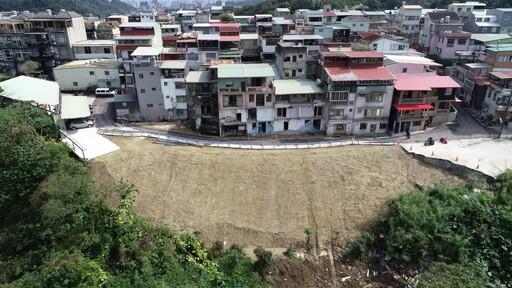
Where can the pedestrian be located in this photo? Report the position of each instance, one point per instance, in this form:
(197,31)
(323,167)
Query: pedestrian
(407,134)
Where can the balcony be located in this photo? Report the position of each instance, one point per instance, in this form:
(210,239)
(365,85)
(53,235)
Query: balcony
(208,48)
(419,117)
(294,65)
(259,89)
(411,101)
(341,103)
(369,89)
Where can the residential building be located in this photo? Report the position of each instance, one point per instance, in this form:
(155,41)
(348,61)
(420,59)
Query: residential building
(482,23)
(291,60)
(134,35)
(246,104)
(503,17)
(269,35)
(359,90)
(202,100)
(147,17)
(498,99)
(82,75)
(479,42)
(95,49)
(465,10)
(386,45)
(250,47)
(406,65)
(446,44)
(160,86)
(186,18)
(42,37)
(281,12)
(120,19)
(312,42)
(287,24)
(408,20)
(356,23)
(421,98)
(435,22)
(127,107)
(300,106)
(377,19)
(474,80)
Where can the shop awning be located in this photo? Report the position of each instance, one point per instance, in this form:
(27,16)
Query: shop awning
(406,107)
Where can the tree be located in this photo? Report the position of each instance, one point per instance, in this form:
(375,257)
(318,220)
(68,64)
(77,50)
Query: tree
(30,68)
(226,17)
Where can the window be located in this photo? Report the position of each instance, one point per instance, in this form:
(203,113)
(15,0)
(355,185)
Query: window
(374,98)
(181,99)
(505,58)
(383,125)
(107,73)
(506,17)
(269,98)
(363,126)
(373,112)
(450,42)
(416,123)
(404,70)
(339,96)
(142,91)
(300,56)
(260,99)
(459,9)
(180,85)
(361,25)
(251,98)
(166,83)
(461,42)
(300,70)
(153,89)
(468,9)
(87,50)
(141,76)
(91,73)
(151,73)
(484,30)
(318,111)
(229,83)
(75,84)
(106,50)
(487,19)
(281,112)
(354,25)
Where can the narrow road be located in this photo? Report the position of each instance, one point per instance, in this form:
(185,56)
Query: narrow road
(104,112)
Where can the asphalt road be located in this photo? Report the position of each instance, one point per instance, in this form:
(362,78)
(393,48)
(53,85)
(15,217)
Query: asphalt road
(104,112)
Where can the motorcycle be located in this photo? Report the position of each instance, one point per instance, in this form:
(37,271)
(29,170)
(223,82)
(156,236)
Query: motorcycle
(443,140)
(430,141)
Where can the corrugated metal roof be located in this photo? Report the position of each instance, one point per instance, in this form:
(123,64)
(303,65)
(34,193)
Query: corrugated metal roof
(347,74)
(198,77)
(410,60)
(424,83)
(245,70)
(147,51)
(75,107)
(173,64)
(28,89)
(490,37)
(252,36)
(502,74)
(296,86)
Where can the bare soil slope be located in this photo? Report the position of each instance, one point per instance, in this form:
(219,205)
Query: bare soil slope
(264,197)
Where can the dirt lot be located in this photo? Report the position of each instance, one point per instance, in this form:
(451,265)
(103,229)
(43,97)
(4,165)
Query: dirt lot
(264,197)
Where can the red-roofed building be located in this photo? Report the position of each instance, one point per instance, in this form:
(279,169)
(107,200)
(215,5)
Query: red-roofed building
(360,92)
(420,100)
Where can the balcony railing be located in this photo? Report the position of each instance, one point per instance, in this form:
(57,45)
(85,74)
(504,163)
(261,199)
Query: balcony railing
(411,101)
(341,103)
(412,117)
(259,89)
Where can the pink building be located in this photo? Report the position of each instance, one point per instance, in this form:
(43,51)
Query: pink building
(444,44)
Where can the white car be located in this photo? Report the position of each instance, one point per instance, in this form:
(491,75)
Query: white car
(80,123)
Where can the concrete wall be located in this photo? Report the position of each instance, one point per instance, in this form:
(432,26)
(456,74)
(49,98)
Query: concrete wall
(67,77)
(151,102)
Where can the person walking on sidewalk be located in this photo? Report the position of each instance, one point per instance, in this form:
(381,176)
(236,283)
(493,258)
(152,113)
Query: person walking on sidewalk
(407,134)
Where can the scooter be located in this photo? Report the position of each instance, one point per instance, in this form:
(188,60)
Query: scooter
(430,141)
(443,140)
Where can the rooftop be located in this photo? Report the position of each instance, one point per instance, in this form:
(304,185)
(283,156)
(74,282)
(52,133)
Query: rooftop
(139,24)
(28,89)
(75,107)
(296,86)
(95,43)
(501,49)
(490,37)
(502,74)
(91,63)
(411,7)
(437,16)
(346,74)
(173,64)
(424,82)
(198,77)
(245,70)
(292,37)
(147,51)
(391,59)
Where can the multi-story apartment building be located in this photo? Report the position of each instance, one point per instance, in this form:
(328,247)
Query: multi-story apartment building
(202,100)
(300,106)
(498,99)
(246,103)
(291,60)
(421,98)
(445,44)
(250,48)
(377,19)
(465,10)
(436,22)
(281,12)
(503,17)
(269,36)
(408,20)
(359,90)
(186,18)
(160,86)
(356,23)
(95,49)
(479,22)
(42,37)
(132,36)
(312,42)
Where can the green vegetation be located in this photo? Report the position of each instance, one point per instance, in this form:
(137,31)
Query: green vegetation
(56,229)
(226,17)
(30,68)
(457,230)
(96,7)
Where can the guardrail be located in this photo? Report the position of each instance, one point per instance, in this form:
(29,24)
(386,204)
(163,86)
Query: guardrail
(254,145)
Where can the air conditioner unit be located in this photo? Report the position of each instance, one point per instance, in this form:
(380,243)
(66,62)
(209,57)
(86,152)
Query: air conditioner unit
(345,116)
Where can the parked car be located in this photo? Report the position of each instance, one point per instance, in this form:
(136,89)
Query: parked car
(80,123)
(105,92)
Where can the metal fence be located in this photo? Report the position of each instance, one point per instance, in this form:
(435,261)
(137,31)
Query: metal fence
(166,138)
